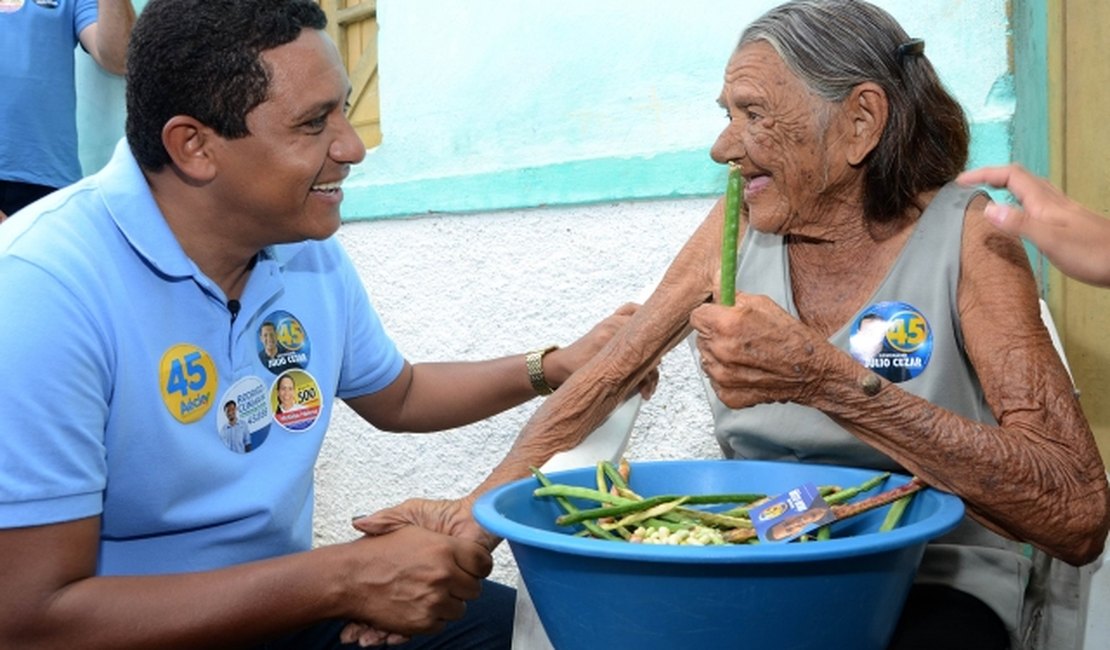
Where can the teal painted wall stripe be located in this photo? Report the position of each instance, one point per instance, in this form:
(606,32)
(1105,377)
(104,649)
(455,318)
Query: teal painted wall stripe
(689,173)
(665,175)
(1030,123)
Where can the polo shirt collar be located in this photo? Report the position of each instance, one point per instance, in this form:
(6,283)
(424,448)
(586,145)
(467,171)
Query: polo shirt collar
(137,215)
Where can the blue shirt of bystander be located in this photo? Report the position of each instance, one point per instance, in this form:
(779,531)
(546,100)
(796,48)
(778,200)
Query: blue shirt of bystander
(38,137)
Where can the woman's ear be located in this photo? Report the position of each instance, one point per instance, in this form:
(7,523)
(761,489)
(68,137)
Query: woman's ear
(188,142)
(867,109)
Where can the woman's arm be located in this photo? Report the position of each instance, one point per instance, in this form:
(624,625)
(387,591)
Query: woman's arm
(597,388)
(1037,476)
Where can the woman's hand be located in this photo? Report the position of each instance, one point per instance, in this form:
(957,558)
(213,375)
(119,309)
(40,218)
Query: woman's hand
(756,353)
(447,516)
(1072,236)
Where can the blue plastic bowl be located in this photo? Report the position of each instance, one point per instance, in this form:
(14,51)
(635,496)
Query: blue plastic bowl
(843,593)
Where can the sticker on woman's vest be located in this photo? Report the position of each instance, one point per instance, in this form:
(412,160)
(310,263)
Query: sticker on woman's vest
(282,343)
(893,339)
(188,381)
(296,400)
(244,418)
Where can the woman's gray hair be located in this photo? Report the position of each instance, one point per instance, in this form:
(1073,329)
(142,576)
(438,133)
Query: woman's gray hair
(833,46)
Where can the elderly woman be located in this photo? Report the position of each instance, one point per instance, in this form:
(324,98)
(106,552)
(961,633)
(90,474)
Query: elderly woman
(849,144)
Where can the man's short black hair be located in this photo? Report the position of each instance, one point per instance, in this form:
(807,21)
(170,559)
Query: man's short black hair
(202,58)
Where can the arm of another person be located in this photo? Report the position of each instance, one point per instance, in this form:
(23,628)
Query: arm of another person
(106,39)
(591,393)
(1074,238)
(1037,476)
(409,581)
(429,397)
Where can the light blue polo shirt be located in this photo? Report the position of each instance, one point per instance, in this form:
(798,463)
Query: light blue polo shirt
(38,140)
(122,356)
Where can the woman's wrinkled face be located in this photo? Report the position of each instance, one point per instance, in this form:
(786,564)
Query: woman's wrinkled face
(777,132)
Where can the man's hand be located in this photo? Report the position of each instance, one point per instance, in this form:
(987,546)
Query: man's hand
(446,517)
(560,364)
(417,581)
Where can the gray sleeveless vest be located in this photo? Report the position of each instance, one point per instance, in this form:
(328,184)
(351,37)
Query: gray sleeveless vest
(923,351)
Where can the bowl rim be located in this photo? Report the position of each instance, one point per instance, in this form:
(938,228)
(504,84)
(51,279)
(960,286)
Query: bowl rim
(949,512)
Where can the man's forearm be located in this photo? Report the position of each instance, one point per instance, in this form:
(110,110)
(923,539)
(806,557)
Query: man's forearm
(230,607)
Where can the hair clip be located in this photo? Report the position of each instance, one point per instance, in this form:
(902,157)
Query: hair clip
(912,47)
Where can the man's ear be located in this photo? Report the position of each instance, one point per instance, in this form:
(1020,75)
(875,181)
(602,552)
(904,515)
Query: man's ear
(868,110)
(188,143)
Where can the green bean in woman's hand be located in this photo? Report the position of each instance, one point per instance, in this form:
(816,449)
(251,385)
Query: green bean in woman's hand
(733,190)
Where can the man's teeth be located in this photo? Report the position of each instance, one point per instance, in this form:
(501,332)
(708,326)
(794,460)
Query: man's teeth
(326,187)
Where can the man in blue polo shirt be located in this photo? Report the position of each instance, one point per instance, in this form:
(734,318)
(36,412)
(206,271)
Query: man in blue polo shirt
(139,300)
(38,134)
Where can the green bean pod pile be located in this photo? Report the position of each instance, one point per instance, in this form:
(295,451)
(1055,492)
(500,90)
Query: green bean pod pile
(676,519)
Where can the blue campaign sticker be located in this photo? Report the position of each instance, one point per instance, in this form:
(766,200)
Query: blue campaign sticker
(282,342)
(892,339)
(792,514)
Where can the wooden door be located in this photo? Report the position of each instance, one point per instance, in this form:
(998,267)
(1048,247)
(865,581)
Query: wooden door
(353,25)
(1079,92)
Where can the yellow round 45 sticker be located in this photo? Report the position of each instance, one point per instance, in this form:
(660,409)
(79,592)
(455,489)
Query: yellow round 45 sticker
(188,380)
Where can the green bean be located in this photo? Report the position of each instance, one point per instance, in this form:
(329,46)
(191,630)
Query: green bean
(612,510)
(841,496)
(894,515)
(592,527)
(731,233)
(559,490)
(614,474)
(650,513)
(715,519)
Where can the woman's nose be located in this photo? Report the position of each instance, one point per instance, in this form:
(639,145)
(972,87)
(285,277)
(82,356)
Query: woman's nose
(727,146)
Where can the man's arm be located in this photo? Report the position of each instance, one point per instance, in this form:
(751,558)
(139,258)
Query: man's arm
(409,581)
(437,396)
(106,39)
